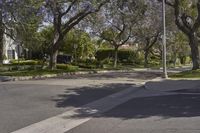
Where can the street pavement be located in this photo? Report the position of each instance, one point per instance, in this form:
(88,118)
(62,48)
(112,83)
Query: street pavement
(174,110)
(101,103)
(172,113)
(23,103)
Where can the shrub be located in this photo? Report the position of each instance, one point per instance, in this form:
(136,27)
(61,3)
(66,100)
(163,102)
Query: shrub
(25,62)
(88,63)
(107,61)
(67,67)
(124,55)
(104,53)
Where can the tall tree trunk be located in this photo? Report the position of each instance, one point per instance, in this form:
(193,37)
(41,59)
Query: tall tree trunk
(1,38)
(174,60)
(194,51)
(116,57)
(53,59)
(54,50)
(146,55)
(149,44)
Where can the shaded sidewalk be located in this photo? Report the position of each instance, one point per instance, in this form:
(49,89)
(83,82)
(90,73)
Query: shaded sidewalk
(173,85)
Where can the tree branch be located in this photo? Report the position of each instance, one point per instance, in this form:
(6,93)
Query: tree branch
(178,18)
(197,21)
(168,3)
(80,16)
(69,8)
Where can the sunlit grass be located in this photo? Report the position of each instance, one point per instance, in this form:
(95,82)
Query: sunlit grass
(187,74)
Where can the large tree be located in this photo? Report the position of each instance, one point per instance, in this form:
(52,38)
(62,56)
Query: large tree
(65,15)
(116,22)
(178,47)
(148,32)
(15,19)
(187,19)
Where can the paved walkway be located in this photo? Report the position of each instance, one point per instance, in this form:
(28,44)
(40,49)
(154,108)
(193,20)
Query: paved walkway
(173,85)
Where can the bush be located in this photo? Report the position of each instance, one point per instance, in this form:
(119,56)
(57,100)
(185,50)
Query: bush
(25,62)
(88,63)
(104,53)
(107,61)
(67,67)
(124,55)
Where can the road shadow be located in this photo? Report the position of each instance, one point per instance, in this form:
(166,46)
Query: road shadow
(167,106)
(174,105)
(75,97)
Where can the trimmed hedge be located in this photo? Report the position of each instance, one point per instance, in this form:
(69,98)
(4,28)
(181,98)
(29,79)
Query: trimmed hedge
(67,67)
(124,55)
(25,62)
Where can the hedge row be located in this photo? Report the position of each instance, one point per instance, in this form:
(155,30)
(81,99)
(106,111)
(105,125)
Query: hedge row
(124,55)
(25,62)
(67,67)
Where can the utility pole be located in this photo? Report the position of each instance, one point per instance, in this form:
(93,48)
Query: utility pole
(164,41)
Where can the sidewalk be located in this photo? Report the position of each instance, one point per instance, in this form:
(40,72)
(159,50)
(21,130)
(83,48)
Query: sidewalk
(172,85)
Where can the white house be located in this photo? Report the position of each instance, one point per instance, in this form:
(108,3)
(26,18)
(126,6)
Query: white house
(12,50)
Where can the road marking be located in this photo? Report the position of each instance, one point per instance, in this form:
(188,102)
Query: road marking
(70,119)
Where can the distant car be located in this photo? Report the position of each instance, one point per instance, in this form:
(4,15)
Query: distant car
(64,59)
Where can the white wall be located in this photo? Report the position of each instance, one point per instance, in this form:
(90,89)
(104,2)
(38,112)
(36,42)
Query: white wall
(9,45)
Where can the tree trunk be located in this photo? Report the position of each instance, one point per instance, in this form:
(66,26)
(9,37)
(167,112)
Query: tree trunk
(174,60)
(116,57)
(194,51)
(54,50)
(53,59)
(146,61)
(1,47)
(1,39)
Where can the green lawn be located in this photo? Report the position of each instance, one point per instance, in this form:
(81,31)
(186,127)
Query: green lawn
(32,72)
(187,74)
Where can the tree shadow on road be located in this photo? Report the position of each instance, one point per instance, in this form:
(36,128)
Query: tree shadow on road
(76,97)
(167,106)
(174,105)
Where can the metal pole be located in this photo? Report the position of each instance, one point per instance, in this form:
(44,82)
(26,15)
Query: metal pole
(164,41)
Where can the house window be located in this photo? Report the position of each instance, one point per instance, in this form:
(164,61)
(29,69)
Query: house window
(11,54)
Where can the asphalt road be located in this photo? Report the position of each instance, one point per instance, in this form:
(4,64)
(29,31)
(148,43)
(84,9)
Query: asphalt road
(176,113)
(26,102)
